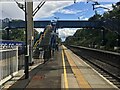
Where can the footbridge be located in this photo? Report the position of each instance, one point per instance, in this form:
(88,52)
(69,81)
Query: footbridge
(111,25)
(59,24)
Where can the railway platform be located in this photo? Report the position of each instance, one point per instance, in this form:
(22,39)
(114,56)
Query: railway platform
(64,71)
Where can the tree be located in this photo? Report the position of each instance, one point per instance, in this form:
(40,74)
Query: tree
(90,36)
(96,17)
(17,35)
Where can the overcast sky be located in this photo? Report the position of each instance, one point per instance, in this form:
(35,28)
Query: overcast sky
(62,9)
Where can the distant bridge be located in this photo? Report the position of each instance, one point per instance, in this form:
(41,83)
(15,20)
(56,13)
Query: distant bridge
(60,24)
(111,25)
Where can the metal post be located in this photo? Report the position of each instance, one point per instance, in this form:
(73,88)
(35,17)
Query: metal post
(117,40)
(8,33)
(26,56)
(30,34)
(103,37)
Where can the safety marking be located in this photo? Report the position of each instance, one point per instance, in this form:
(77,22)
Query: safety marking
(65,74)
(83,84)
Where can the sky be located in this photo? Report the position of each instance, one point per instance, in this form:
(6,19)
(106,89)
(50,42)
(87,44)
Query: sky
(65,10)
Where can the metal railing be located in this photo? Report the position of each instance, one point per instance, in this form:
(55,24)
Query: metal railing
(8,63)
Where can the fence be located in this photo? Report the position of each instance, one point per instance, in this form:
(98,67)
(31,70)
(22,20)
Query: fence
(8,63)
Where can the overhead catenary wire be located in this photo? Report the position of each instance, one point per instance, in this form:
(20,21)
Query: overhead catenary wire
(21,6)
(38,7)
(101,7)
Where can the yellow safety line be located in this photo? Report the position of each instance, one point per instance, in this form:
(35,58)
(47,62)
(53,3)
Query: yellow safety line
(83,84)
(65,74)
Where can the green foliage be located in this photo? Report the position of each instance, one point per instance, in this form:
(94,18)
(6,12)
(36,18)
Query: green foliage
(17,35)
(96,17)
(59,40)
(90,37)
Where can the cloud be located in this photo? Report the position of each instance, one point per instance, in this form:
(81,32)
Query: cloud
(11,10)
(40,29)
(82,18)
(51,7)
(63,0)
(63,33)
(99,0)
(85,18)
(69,11)
(107,6)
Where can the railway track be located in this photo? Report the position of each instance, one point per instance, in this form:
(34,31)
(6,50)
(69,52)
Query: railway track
(110,72)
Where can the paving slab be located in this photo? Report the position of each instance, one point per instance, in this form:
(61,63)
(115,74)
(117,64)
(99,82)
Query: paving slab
(51,76)
(72,82)
(94,79)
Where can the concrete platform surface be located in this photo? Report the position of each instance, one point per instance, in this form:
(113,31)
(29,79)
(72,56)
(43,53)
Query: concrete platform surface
(64,70)
(92,77)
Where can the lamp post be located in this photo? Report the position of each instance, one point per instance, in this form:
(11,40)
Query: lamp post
(8,32)
(26,51)
(96,3)
(103,39)
(29,13)
(6,21)
(26,70)
(117,42)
